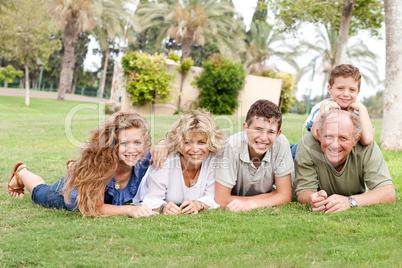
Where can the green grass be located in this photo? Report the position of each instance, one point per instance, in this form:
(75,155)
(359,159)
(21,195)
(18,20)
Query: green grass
(288,235)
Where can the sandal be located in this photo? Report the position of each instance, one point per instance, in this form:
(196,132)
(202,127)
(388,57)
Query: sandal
(20,186)
(69,163)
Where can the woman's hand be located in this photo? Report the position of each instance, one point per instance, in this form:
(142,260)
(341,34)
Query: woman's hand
(140,211)
(171,208)
(189,207)
(159,154)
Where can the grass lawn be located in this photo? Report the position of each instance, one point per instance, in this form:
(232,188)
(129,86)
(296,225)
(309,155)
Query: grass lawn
(288,235)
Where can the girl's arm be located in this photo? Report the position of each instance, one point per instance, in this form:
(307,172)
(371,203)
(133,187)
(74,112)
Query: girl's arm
(126,210)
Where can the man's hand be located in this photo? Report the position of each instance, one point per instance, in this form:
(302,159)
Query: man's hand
(159,154)
(329,105)
(318,201)
(240,205)
(337,203)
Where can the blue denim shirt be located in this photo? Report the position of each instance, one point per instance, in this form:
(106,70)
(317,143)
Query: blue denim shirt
(119,197)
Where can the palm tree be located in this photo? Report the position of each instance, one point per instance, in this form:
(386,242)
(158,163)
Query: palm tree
(73,16)
(263,40)
(112,19)
(324,49)
(193,22)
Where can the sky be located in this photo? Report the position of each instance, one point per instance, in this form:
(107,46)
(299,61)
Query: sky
(246,9)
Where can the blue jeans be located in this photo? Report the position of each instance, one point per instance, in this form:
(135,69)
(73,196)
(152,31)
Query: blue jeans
(50,196)
(293,148)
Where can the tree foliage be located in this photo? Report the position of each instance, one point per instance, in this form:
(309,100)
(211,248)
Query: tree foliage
(262,40)
(195,22)
(7,74)
(323,49)
(367,14)
(28,35)
(111,20)
(220,83)
(261,11)
(147,76)
(374,104)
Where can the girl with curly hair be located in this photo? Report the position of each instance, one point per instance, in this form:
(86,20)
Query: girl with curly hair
(186,181)
(106,175)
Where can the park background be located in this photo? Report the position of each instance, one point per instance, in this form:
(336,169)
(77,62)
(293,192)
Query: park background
(45,133)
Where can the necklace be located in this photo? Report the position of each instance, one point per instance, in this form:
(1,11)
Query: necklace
(117,185)
(193,179)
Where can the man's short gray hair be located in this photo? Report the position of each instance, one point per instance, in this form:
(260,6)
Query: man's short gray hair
(353,117)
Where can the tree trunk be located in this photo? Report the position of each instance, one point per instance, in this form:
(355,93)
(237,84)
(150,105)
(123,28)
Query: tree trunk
(183,77)
(347,12)
(186,44)
(26,82)
(75,81)
(392,121)
(68,61)
(106,62)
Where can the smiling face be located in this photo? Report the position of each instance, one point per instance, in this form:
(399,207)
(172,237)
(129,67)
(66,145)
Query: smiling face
(344,91)
(131,146)
(261,135)
(195,149)
(337,139)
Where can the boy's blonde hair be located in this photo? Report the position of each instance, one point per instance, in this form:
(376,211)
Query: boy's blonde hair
(345,70)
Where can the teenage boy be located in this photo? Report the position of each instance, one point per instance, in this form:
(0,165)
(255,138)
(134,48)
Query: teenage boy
(255,167)
(344,86)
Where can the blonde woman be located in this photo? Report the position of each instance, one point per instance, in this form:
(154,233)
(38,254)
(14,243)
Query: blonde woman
(105,176)
(186,181)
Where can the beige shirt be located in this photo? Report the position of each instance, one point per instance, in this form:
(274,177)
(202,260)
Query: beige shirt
(236,170)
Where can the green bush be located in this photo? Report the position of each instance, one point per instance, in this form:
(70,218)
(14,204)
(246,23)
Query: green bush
(220,83)
(287,97)
(147,78)
(9,73)
(185,65)
(287,92)
(173,56)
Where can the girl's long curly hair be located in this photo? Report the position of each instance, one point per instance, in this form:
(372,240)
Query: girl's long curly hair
(98,161)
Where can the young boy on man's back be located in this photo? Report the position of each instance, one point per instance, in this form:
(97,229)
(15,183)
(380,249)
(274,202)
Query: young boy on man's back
(254,161)
(344,86)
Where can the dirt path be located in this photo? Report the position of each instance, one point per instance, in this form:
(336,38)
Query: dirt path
(48,95)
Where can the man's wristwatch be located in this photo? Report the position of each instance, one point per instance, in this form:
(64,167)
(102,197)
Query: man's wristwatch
(352,202)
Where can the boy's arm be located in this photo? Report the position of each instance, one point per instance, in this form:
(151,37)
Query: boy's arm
(367,135)
(282,195)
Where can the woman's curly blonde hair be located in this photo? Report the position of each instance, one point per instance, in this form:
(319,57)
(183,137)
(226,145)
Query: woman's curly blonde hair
(199,122)
(98,161)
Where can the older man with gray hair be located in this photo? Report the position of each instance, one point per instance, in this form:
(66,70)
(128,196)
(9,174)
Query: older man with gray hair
(333,173)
